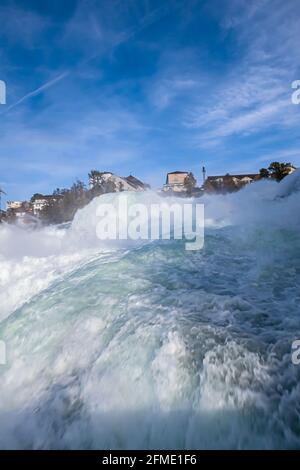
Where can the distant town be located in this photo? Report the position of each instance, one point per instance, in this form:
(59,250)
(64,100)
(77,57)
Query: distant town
(62,204)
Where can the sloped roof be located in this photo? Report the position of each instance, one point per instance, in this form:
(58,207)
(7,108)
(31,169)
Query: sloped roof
(177,172)
(135,181)
(249,175)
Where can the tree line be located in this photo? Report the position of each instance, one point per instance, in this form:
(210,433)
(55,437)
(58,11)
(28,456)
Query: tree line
(66,202)
(276,170)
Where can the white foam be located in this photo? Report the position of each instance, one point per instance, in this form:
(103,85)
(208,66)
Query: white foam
(156,347)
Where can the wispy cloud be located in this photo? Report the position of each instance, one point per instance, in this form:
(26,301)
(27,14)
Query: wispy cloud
(148,19)
(255,95)
(143,87)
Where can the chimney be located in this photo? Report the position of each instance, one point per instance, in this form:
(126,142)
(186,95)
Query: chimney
(204,174)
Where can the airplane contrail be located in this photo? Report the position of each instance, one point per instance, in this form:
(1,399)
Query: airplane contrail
(146,21)
(38,90)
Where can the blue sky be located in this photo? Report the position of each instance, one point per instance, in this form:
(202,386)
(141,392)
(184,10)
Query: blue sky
(145,87)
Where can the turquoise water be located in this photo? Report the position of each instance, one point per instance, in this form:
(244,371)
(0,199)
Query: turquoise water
(152,346)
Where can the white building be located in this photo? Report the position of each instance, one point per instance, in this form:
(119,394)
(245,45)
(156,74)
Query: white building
(114,183)
(39,201)
(38,204)
(13,205)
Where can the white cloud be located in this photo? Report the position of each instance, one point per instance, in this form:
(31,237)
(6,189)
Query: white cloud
(254,96)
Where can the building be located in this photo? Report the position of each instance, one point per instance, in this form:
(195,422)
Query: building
(13,205)
(228,183)
(179,182)
(39,201)
(136,183)
(290,169)
(17,209)
(109,182)
(20,212)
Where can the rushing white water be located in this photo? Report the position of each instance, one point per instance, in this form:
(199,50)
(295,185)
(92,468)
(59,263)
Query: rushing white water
(150,346)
